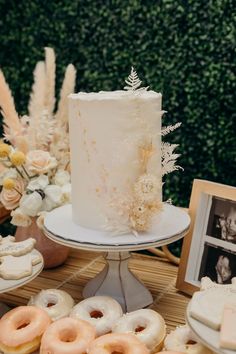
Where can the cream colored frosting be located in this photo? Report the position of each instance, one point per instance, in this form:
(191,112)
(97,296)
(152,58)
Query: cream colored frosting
(109,309)
(107,130)
(152,323)
(61,303)
(178,340)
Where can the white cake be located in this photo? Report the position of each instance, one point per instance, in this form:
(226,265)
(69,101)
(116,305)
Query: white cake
(117,158)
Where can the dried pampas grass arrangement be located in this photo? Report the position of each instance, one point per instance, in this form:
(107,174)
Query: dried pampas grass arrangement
(43,128)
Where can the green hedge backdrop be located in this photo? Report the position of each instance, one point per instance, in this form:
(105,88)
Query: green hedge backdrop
(183,48)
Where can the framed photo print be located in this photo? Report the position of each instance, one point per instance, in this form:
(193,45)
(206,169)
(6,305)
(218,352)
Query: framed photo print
(209,249)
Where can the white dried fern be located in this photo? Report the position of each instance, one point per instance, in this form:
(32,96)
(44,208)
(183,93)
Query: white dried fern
(133,82)
(168,158)
(169,129)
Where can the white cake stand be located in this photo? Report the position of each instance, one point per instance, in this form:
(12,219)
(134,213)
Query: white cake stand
(116,279)
(206,335)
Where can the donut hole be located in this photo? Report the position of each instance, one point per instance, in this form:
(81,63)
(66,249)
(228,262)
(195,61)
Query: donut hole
(22,325)
(96,314)
(139,329)
(51,300)
(190,341)
(68,335)
(116,349)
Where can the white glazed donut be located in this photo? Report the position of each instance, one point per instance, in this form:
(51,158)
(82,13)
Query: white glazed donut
(148,326)
(183,340)
(100,311)
(57,303)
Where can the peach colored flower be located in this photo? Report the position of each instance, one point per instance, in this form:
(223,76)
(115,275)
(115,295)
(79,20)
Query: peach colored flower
(39,161)
(10,198)
(20,219)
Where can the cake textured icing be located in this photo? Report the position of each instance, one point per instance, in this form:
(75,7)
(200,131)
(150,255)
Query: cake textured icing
(116,159)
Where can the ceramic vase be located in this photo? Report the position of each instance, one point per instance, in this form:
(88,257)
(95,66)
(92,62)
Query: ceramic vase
(53,253)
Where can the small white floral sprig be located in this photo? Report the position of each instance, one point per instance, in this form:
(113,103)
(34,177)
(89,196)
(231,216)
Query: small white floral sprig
(134,212)
(133,82)
(31,184)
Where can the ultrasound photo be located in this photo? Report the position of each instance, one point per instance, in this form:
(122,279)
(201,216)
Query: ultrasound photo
(218,264)
(222,220)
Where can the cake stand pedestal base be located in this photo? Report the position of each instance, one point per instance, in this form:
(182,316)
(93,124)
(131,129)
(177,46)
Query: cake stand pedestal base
(117,281)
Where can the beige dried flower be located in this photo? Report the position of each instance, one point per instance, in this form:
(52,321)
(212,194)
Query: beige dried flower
(147,188)
(140,217)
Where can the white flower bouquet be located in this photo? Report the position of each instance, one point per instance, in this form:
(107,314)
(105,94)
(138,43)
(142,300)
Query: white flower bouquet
(34,159)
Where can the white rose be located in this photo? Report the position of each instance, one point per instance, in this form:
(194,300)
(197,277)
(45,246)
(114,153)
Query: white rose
(40,182)
(31,204)
(53,197)
(39,161)
(19,218)
(61,177)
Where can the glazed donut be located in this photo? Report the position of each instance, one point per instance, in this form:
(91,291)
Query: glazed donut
(67,336)
(146,324)
(21,329)
(183,340)
(57,303)
(100,311)
(120,343)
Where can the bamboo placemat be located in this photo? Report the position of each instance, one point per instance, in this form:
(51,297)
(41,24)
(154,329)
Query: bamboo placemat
(158,275)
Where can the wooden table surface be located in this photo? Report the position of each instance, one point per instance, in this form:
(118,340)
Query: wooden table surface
(158,275)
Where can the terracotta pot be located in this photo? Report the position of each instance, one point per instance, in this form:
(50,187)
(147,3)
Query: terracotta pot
(53,253)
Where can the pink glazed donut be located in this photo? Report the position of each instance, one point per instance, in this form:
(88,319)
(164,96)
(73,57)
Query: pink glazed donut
(67,336)
(121,343)
(21,329)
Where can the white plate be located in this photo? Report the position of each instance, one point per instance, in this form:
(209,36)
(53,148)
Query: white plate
(9,285)
(171,223)
(206,335)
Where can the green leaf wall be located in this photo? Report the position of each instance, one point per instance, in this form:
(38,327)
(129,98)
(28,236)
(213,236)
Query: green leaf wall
(185,49)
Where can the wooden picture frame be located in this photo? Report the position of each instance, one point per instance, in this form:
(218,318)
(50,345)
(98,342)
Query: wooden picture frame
(210,242)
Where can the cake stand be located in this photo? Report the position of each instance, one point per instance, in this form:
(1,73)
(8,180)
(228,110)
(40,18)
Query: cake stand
(116,280)
(9,285)
(206,335)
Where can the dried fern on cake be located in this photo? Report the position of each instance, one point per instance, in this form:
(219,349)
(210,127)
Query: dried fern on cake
(168,158)
(169,129)
(133,82)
